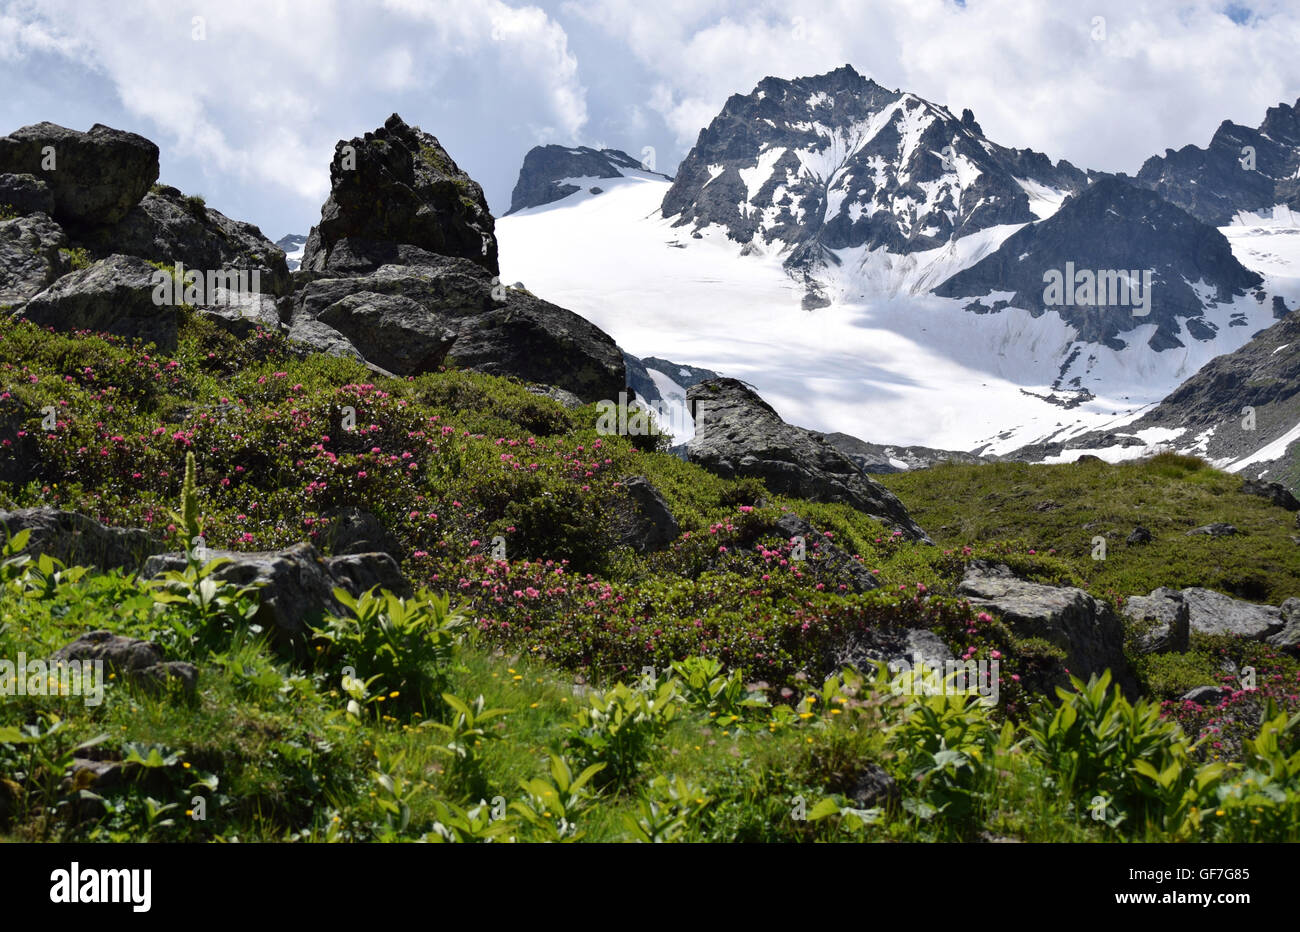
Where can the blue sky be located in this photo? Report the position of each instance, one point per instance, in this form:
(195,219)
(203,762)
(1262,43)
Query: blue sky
(248,114)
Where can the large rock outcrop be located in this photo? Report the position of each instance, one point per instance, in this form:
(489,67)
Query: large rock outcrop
(30,260)
(408,319)
(1091,635)
(114,295)
(78,540)
(738,434)
(397,185)
(166,226)
(95,177)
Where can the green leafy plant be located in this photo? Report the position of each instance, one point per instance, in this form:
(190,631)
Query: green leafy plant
(407,644)
(667,810)
(553,807)
(616,728)
(461,739)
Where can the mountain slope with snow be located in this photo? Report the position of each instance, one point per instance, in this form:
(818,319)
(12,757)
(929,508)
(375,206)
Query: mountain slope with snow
(874,266)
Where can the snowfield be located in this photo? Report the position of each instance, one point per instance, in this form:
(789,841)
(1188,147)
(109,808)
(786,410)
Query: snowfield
(886,361)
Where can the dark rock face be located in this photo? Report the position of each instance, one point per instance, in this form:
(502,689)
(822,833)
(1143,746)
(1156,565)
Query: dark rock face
(1168,610)
(542,177)
(113,295)
(29,257)
(427,201)
(1112,226)
(78,540)
(739,434)
(167,227)
(819,163)
(647,524)
(1215,183)
(1275,492)
(409,319)
(97,176)
(26,194)
(296,585)
(140,661)
(1091,635)
(1140,535)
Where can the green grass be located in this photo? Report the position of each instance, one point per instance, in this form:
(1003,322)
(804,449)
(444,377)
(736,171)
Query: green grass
(1061,509)
(452,459)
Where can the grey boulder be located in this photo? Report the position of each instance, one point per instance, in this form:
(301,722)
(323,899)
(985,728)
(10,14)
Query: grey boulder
(1167,616)
(114,295)
(738,434)
(78,540)
(296,585)
(96,177)
(29,257)
(1091,635)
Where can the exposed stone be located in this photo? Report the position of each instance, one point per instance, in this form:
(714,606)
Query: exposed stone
(738,434)
(410,319)
(354,530)
(1091,635)
(78,540)
(113,295)
(29,257)
(1171,615)
(1215,613)
(1218,529)
(1206,695)
(1275,492)
(427,200)
(296,585)
(26,194)
(168,227)
(1140,535)
(96,176)
(648,523)
(1289,637)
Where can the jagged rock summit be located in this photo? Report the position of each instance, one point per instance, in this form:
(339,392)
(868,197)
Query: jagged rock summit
(827,162)
(428,204)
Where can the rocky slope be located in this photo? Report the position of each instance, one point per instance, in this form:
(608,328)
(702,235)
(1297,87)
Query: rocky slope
(1241,411)
(1242,170)
(550,173)
(405,288)
(1113,227)
(836,160)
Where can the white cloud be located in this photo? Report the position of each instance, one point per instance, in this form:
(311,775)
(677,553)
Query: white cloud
(1166,74)
(266,94)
